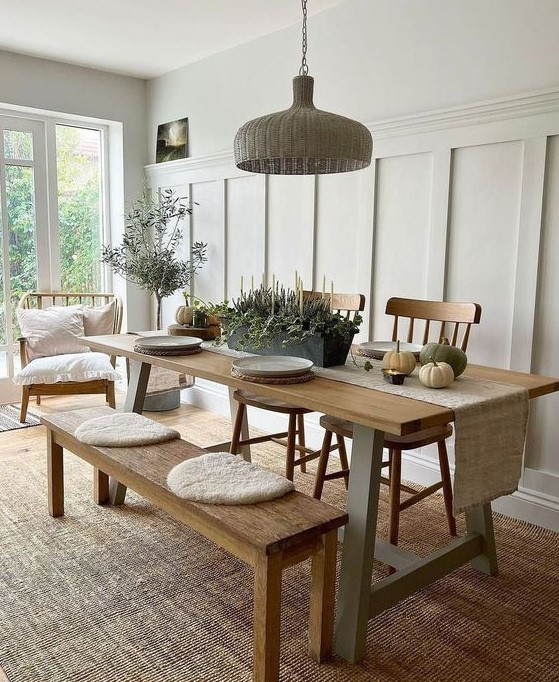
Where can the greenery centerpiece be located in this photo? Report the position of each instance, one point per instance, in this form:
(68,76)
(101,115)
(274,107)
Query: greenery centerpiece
(279,321)
(148,253)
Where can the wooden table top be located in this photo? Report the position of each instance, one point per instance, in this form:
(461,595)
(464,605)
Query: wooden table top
(390,413)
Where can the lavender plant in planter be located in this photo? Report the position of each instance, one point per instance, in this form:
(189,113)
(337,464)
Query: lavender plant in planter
(280,323)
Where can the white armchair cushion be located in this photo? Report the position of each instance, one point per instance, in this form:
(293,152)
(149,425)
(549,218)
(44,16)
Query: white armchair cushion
(100,319)
(68,367)
(52,331)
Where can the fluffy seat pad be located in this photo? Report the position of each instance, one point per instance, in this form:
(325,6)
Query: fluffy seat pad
(67,367)
(221,478)
(123,429)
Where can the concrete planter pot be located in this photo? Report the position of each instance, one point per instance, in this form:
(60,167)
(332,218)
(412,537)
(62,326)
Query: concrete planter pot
(323,351)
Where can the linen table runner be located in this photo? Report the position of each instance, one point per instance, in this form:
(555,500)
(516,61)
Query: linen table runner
(490,428)
(490,425)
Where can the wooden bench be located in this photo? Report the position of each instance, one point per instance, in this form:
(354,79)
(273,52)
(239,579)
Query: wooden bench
(268,536)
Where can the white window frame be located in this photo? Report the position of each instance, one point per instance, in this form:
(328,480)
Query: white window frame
(47,228)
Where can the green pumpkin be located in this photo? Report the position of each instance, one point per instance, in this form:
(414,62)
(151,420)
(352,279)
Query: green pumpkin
(443,352)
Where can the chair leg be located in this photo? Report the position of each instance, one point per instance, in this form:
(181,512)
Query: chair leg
(38,400)
(394,495)
(343,458)
(301,438)
(24,402)
(110,394)
(237,427)
(322,464)
(290,459)
(447,486)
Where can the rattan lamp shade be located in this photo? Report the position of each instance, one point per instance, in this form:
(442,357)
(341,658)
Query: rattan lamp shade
(302,140)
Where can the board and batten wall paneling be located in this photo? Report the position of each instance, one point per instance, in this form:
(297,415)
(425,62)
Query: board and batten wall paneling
(245,245)
(208,226)
(339,222)
(458,205)
(543,443)
(171,303)
(402,218)
(483,242)
(291,226)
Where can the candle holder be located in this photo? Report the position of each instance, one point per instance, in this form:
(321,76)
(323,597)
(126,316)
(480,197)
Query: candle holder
(393,376)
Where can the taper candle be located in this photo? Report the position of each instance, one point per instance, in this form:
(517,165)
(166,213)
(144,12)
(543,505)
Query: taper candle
(241,285)
(301,298)
(296,281)
(331,296)
(252,282)
(324,286)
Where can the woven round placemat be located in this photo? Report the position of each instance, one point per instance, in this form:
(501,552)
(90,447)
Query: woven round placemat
(165,352)
(276,381)
(368,354)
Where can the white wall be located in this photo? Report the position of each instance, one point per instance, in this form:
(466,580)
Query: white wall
(47,86)
(461,203)
(372,59)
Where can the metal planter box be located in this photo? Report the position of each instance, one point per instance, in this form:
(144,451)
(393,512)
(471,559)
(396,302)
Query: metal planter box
(324,352)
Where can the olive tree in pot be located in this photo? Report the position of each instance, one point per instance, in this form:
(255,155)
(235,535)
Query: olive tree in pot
(148,253)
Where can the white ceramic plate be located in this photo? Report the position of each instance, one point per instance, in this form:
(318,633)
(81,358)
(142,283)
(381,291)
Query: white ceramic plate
(169,342)
(377,349)
(272,366)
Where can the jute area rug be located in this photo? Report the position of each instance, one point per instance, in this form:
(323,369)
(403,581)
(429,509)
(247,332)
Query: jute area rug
(127,595)
(9,418)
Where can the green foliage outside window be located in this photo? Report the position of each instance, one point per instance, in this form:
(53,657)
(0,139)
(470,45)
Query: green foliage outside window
(79,213)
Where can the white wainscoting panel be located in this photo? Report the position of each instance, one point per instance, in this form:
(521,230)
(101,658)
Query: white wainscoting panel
(208,226)
(483,242)
(246,232)
(403,204)
(291,226)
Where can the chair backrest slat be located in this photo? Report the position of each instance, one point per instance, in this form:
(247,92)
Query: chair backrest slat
(456,317)
(344,304)
(37,299)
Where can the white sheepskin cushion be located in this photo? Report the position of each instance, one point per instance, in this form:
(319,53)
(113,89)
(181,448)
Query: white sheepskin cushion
(123,429)
(67,367)
(221,478)
(52,331)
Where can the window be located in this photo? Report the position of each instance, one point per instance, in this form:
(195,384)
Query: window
(78,171)
(51,231)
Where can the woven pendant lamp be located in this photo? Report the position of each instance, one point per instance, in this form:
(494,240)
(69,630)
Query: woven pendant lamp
(302,140)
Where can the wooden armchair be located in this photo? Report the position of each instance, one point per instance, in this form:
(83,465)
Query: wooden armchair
(69,371)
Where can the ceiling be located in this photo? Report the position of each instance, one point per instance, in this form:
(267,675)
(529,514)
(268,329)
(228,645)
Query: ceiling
(143,38)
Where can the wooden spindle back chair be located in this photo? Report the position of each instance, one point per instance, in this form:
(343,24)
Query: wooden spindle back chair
(426,321)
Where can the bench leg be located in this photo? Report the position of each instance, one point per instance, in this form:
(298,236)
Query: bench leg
(323,587)
(55,476)
(267,609)
(100,487)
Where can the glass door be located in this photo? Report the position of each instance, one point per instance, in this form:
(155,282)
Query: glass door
(23,233)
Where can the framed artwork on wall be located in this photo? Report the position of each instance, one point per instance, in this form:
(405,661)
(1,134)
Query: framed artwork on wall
(172,141)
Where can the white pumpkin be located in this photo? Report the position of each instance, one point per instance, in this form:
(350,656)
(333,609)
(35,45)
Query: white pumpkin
(401,361)
(436,375)
(184,314)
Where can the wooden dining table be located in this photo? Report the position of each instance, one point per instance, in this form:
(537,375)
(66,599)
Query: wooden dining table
(373,413)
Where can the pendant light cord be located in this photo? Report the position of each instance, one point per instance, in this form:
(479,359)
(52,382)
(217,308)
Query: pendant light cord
(304,70)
